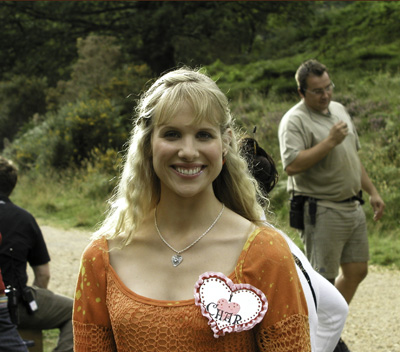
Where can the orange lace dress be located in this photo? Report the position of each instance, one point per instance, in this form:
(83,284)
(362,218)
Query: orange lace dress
(110,317)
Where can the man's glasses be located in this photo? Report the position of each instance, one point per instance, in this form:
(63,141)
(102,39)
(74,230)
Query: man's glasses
(322,91)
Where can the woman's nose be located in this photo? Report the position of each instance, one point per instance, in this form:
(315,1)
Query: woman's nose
(188,149)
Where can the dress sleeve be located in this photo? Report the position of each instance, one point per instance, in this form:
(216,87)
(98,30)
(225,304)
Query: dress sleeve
(266,263)
(91,321)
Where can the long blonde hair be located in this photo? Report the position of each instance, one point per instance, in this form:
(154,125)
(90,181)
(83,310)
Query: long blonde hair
(138,191)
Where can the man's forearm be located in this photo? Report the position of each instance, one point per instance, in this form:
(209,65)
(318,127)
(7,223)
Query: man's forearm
(42,275)
(309,157)
(42,282)
(375,199)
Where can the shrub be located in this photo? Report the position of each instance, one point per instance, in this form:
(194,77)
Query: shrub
(99,73)
(265,76)
(20,98)
(69,136)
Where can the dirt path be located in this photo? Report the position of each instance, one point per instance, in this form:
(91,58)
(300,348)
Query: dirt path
(373,323)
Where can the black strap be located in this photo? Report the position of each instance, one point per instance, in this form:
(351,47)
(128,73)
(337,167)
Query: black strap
(312,209)
(312,205)
(357,197)
(300,265)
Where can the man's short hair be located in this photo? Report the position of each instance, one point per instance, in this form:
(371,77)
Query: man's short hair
(8,176)
(306,69)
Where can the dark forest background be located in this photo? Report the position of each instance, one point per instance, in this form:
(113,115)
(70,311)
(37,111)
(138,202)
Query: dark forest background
(71,73)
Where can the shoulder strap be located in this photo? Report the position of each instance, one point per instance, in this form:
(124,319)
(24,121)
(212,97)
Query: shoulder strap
(300,265)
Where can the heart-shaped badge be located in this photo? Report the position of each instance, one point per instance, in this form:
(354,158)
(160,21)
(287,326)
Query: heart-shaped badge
(229,307)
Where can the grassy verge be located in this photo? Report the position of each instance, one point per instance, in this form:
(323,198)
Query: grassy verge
(69,200)
(50,338)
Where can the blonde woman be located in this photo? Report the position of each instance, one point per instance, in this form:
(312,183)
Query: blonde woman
(186,205)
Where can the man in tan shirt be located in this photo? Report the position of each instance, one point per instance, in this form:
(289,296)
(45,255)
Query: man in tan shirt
(319,144)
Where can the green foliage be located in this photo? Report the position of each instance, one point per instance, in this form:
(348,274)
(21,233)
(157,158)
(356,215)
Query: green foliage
(89,125)
(273,77)
(71,136)
(20,98)
(160,34)
(264,113)
(88,115)
(99,74)
(164,34)
(50,338)
(359,36)
(35,44)
(98,59)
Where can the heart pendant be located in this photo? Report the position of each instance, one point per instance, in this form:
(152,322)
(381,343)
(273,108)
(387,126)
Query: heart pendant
(176,259)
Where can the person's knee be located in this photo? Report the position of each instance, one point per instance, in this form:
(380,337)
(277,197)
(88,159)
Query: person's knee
(355,272)
(361,273)
(364,273)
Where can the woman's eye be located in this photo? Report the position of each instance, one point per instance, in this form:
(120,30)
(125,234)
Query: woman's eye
(204,135)
(171,135)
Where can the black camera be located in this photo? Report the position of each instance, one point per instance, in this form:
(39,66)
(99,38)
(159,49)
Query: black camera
(296,218)
(28,298)
(12,295)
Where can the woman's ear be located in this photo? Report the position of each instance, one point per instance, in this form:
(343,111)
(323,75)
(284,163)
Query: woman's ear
(227,139)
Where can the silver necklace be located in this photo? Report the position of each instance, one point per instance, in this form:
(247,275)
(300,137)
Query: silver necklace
(177,258)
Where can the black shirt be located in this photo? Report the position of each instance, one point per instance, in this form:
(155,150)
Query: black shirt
(22,243)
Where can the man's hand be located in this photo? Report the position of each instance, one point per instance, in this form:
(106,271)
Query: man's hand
(338,132)
(374,198)
(378,205)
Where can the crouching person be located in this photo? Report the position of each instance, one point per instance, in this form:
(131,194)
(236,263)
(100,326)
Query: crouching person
(33,307)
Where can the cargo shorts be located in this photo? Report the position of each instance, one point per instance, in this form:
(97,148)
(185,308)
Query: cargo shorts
(338,237)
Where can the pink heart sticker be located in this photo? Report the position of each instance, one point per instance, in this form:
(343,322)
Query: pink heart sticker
(229,307)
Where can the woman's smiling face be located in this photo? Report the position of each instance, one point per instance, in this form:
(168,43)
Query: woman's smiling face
(187,156)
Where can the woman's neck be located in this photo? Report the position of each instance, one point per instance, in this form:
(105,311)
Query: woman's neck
(187,214)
